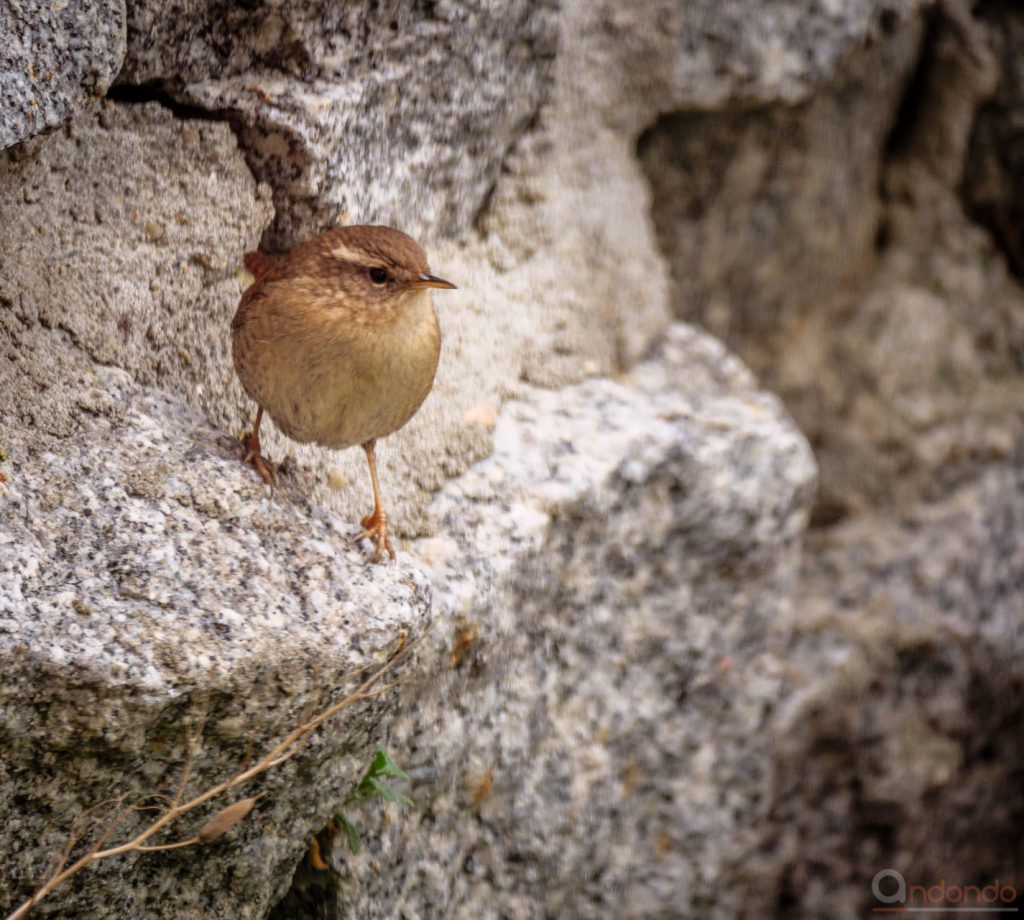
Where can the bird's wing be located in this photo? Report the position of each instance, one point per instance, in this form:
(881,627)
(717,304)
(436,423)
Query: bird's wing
(259,263)
(265,270)
(252,294)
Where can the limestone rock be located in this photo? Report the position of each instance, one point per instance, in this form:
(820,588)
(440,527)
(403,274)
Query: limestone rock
(900,739)
(388,113)
(608,528)
(120,243)
(56,57)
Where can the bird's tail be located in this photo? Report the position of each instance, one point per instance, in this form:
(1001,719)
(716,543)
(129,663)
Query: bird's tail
(259,263)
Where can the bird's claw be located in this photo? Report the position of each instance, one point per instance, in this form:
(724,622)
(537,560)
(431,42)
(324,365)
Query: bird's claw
(375,529)
(255,459)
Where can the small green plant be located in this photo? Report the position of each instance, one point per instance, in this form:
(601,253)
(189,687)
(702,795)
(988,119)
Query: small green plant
(370,787)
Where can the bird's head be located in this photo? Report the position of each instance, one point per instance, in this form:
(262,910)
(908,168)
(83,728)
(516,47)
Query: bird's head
(375,265)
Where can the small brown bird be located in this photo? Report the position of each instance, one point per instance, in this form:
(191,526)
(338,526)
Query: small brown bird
(338,342)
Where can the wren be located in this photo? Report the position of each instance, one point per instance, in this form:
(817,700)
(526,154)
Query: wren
(338,342)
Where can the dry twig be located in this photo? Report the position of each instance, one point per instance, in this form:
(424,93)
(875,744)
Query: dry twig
(230,814)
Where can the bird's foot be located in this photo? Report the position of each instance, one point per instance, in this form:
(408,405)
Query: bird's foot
(375,529)
(251,443)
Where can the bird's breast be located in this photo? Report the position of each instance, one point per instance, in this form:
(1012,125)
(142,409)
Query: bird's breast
(337,382)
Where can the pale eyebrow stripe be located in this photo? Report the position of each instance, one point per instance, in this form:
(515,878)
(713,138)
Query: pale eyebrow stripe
(345,254)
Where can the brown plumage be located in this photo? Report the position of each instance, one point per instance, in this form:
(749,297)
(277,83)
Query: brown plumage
(338,342)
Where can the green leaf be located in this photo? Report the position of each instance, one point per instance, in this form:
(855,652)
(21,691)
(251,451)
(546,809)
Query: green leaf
(389,794)
(364,790)
(384,766)
(354,843)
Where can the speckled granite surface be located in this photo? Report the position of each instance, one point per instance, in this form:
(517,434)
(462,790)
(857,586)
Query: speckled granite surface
(56,57)
(142,567)
(144,562)
(629,704)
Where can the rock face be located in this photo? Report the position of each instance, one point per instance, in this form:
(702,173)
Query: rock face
(566,240)
(104,258)
(890,324)
(388,113)
(143,572)
(906,702)
(842,267)
(127,585)
(642,686)
(55,58)
(764,211)
(588,749)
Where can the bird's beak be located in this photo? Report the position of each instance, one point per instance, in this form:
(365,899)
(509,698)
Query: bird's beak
(434,282)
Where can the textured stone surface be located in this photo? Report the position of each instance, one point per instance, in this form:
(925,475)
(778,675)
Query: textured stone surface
(120,243)
(390,113)
(403,112)
(842,267)
(122,247)
(540,292)
(142,563)
(55,57)
(767,211)
(141,568)
(711,54)
(602,752)
(635,700)
(916,383)
(900,742)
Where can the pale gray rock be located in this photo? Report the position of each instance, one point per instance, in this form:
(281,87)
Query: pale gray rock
(120,244)
(123,243)
(403,113)
(569,757)
(143,570)
(912,384)
(388,113)
(634,699)
(603,752)
(708,55)
(900,736)
(56,56)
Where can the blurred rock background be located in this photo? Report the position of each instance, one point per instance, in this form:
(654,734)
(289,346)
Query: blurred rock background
(676,667)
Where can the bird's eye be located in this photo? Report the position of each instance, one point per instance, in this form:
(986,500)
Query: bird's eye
(378,275)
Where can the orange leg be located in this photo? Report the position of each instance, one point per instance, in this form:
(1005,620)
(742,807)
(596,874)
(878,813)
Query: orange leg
(251,443)
(375,526)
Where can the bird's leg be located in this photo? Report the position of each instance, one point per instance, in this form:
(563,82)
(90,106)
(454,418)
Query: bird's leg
(251,443)
(375,526)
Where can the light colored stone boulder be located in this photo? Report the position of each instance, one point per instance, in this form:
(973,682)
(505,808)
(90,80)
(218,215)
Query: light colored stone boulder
(55,57)
(120,243)
(615,682)
(143,571)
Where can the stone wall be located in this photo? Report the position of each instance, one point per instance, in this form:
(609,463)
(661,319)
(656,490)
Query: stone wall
(672,663)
